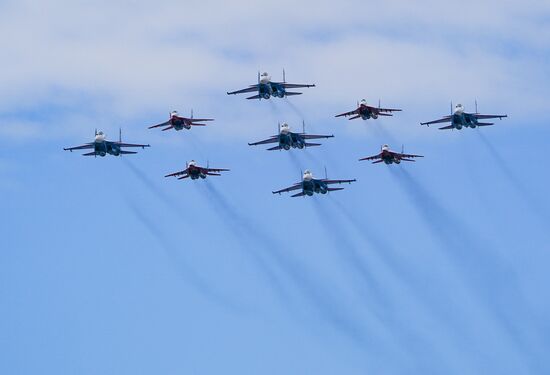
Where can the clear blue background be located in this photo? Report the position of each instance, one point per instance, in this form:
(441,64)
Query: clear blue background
(438,266)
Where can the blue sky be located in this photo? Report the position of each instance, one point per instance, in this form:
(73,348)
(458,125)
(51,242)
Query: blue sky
(438,266)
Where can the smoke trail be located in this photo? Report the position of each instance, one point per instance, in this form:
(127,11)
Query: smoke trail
(294,108)
(383,133)
(298,164)
(528,198)
(475,262)
(239,230)
(187,274)
(347,251)
(296,272)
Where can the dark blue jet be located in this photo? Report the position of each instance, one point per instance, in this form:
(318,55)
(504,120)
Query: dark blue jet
(102,147)
(310,185)
(459,119)
(265,88)
(287,139)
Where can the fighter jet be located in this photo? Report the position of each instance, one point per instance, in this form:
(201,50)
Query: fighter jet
(103,147)
(265,88)
(366,112)
(310,185)
(178,123)
(459,119)
(389,157)
(287,139)
(195,172)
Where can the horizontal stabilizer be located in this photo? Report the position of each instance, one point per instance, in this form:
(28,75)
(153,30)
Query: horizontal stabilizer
(193,124)
(122,152)
(354,117)
(404,159)
(254,97)
(312,144)
(89,154)
(384,114)
(292,93)
(301,194)
(378,161)
(274,148)
(485,123)
(334,189)
(447,127)
(182,177)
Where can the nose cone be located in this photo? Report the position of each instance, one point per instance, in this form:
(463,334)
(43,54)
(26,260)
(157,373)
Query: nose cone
(100,137)
(265,78)
(285,128)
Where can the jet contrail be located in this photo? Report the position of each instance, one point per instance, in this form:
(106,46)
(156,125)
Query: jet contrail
(297,273)
(349,252)
(294,108)
(187,274)
(528,198)
(468,252)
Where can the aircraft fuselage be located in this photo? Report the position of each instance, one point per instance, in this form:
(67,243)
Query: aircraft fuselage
(179,123)
(460,120)
(288,140)
(195,173)
(366,113)
(103,148)
(268,89)
(309,187)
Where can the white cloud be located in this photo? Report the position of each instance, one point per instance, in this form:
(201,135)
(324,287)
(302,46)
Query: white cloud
(124,60)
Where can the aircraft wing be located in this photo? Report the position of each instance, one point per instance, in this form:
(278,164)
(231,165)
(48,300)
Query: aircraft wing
(441,120)
(191,120)
(483,117)
(315,136)
(159,125)
(447,127)
(350,113)
(178,173)
(291,85)
(410,155)
(374,157)
(252,88)
(200,120)
(208,170)
(83,147)
(121,144)
(273,139)
(328,182)
(378,110)
(296,186)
